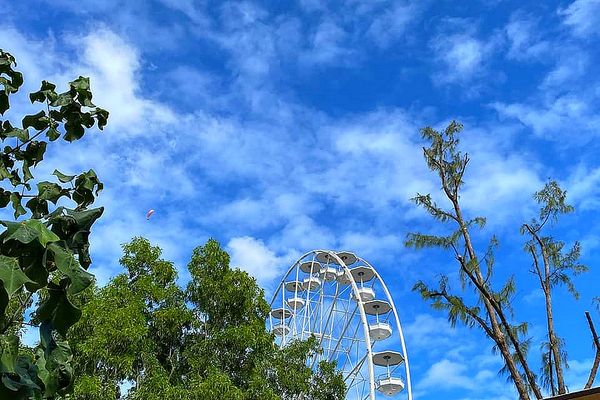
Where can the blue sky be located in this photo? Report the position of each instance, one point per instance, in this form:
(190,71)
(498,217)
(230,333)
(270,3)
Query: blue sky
(280,127)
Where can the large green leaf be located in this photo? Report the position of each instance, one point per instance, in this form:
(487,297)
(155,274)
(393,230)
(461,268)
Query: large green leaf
(4,104)
(11,274)
(37,121)
(28,231)
(66,263)
(27,372)
(73,130)
(15,199)
(43,373)
(45,92)
(3,298)
(9,351)
(50,191)
(4,197)
(84,188)
(33,263)
(53,359)
(21,134)
(63,177)
(74,227)
(23,383)
(38,207)
(34,152)
(57,309)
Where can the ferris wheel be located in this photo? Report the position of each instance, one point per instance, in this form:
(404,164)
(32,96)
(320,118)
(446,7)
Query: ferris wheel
(341,300)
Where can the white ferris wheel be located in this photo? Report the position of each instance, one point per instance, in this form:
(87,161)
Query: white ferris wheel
(343,302)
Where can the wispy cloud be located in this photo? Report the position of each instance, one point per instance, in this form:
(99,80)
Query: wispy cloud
(524,38)
(390,23)
(570,114)
(582,17)
(462,55)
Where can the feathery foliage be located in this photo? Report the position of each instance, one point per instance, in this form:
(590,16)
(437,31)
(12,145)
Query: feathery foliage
(478,302)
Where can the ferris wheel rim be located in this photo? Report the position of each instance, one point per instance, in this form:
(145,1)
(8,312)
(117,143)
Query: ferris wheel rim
(360,307)
(334,256)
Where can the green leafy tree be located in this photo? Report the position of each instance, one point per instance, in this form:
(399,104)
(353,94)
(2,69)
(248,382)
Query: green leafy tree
(492,310)
(208,341)
(233,339)
(132,329)
(234,344)
(45,250)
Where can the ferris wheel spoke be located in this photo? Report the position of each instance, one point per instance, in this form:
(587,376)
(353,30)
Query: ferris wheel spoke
(355,370)
(345,328)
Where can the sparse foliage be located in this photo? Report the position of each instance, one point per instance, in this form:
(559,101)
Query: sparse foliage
(552,266)
(481,301)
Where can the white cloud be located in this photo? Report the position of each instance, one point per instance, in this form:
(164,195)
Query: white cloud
(465,54)
(461,57)
(427,331)
(190,9)
(492,180)
(525,42)
(582,17)
(534,297)
(568,115)
(391,23)
(114,66)
(570,67)
(252,255)
(583,187)
(369,244)
(446,374)
(327,45)
(577,373)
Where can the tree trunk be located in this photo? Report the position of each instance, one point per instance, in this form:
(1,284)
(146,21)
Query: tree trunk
(499,336)
(512,367)
(550,320)
(554,348)
(594,369)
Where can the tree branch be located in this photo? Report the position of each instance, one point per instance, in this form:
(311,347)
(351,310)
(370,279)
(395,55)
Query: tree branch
(594,368)
(536,265)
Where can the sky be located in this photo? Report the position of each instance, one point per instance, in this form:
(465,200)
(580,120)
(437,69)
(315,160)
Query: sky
(282,127)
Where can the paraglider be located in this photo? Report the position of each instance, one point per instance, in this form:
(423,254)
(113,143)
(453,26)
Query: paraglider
(149,214)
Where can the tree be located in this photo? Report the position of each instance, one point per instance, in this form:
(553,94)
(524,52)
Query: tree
(208,341)
(132,329)
(47,253)
(492,309)
(552,266)
(233,339)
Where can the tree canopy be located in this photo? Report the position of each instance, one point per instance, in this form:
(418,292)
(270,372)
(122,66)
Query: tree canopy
(208,341)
